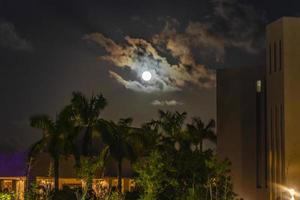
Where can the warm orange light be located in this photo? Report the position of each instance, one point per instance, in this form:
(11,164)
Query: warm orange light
(292,193)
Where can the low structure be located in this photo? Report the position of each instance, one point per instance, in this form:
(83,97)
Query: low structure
(14,178)
(13,185)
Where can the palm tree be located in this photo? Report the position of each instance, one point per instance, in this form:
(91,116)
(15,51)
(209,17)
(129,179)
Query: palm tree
(169,128)
(82,116)
(69,132)
(171,123)
(89,166)
(121,139)
(85,112)
(200,132)
(51,142)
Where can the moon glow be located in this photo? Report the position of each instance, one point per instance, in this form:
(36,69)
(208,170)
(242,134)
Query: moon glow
(146,76)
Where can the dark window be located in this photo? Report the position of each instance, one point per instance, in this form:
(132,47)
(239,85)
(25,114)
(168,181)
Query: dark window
(282,143)
(277,146)
(271,163)
(258,135)
(270,59)
(266,140)
(280,55)
(275,57)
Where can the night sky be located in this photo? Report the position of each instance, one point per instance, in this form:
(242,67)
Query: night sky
(50,48)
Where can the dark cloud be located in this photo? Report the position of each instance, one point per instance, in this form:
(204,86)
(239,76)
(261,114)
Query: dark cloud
(189,37)
(240,24)
(9,38)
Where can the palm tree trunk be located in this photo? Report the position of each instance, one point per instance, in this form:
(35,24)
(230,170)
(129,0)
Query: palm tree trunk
(28,173)
(87,143)
(217,192)
(210,191)
(120,175)
(56,173)
(201,145)
(225,193)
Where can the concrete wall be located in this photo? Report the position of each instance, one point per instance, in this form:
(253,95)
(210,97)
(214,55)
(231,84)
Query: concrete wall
(239,137)
(291,59)
(283,104)
(274,77)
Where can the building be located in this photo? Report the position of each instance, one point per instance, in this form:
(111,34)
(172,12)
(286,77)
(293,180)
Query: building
(283,104)
(258,112)
(13,176)
(240,128)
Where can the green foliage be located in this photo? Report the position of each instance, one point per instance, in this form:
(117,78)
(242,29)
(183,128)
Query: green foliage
(114,196)
(31,193)
(7,196)
(132,195)
(89,166)
(169,160)
(172,170)
(65,194)
(183,176)
(155,175)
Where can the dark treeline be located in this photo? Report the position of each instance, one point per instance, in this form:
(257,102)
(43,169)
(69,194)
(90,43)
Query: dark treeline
(168,156)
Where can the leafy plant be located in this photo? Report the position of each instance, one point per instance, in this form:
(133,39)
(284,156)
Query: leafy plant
(7,196)
(155,175)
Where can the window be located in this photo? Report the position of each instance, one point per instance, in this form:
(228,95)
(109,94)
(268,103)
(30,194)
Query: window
(270,59)
(280,55)
(282,143)
(259,156)
(258,86)
(277,146)
(272,148)
(275,57)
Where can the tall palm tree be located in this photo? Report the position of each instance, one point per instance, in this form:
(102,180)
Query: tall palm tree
(51,142)
(82,116)
(169,127)
(199,131)
(121,139)
(86,113)
(171,123)
(69,132)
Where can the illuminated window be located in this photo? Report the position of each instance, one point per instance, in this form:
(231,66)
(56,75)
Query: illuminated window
(258,86)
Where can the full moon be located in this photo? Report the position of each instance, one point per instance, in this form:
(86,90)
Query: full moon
(146,76)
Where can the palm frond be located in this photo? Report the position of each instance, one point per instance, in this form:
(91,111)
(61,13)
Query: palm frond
(36,148)
(43,122)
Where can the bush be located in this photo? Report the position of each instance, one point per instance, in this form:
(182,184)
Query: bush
(7,196)
(65,194)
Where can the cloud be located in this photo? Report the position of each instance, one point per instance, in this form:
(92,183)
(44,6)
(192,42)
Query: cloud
(243,25)
(139,55)
(166,103)
(138,86)
(178,56)
(9,38)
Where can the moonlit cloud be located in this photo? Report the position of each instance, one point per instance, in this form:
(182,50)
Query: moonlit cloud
(140,55)
(138,86)
(9,38)
(189,49)
(166,103)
